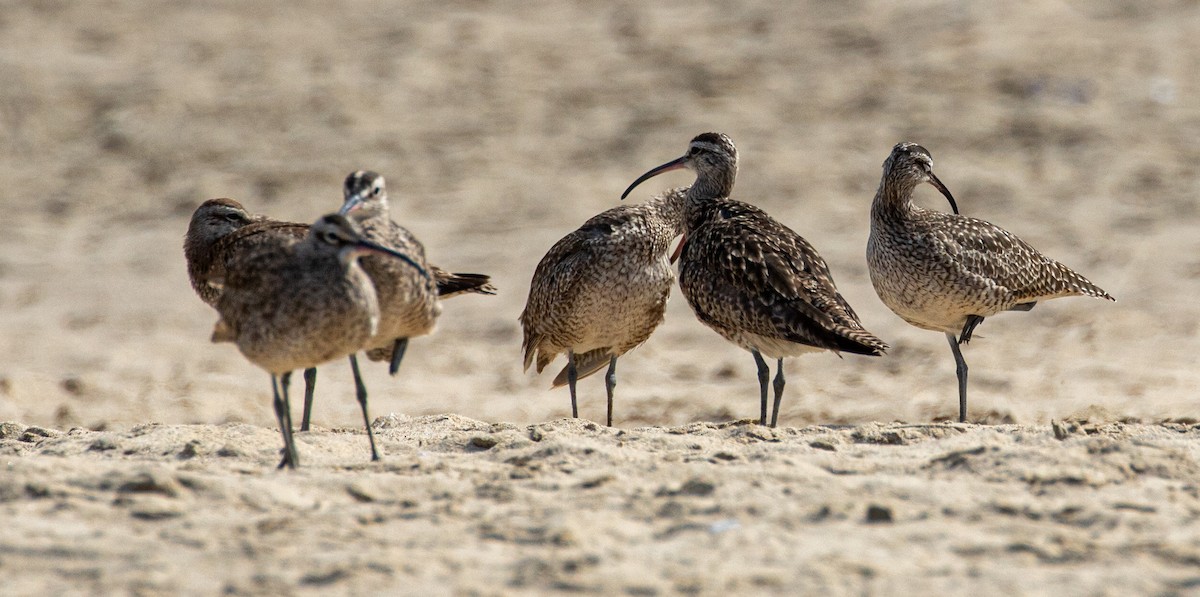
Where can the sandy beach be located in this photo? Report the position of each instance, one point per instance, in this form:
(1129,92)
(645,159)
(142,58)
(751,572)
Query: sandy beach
(140,457)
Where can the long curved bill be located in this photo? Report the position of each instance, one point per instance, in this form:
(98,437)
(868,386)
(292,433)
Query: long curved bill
(678,248)
(366,245)
(937,184)
(675,164)
(352,203)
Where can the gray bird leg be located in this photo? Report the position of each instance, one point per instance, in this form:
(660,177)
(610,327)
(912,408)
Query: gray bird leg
(397,355)
(764,375)
(960,369)
(310,386)
(969,328)
(610,382)
(778,391)
(572,377)
(361,392)
(283,414)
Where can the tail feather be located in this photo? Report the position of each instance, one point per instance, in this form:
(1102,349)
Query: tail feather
(585,364)
(1085,286)
(453,284)
(859,342)
(1074,283)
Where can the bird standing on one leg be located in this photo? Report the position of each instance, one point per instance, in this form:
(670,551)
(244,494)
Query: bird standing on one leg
(947,272)
(601,290)
(301,305)
(753,280)
(408,303)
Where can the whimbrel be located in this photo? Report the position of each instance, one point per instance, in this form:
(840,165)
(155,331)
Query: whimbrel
(601,291)
(947,272)
(220,230)
(297,306)
(408,303)
(753,280)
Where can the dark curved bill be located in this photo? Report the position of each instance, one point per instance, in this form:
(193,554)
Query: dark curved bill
(678,248)
(675,164)
(937,184)
(370,246)
(351,204)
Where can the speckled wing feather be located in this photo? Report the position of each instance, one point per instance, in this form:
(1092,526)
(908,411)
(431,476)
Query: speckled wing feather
(586,364)
(407,300)
(554,280)
(256,266)
(613,256)
(746,271)
(290,306)
(253,237)
(1007,264)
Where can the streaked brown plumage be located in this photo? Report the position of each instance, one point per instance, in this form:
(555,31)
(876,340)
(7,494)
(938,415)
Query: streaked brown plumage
(221,227)
(601,290)
(365,200)
(753,280)
(299,305)
(409,304)
(219,231)
(947,272)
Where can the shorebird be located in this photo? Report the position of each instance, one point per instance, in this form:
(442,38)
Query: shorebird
(753,280)
(601,291)
(408,302)
(220,230)
(297,306)
(947,272)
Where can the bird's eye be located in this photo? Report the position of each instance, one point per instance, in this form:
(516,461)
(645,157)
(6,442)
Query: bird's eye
(375,191)
(330,237)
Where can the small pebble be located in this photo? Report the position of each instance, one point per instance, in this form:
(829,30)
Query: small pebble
(483,442)
(878,514)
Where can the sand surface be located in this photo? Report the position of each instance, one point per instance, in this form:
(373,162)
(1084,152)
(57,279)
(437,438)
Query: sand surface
(139,457)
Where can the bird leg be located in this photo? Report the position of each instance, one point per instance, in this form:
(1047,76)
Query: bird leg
(572,377)
(310,386)
(361,392)
(610,382)
(285,382)
(778,391)
(960,369)
(969,328)
(397,355)
(282,414)
(764,375)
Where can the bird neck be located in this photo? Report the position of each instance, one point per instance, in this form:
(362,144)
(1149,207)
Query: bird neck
(893,200)
(348,257)
(707,189)
(198,254)
(671,206)
(712,185)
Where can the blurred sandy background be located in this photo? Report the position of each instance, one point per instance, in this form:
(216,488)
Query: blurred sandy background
(502,126)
